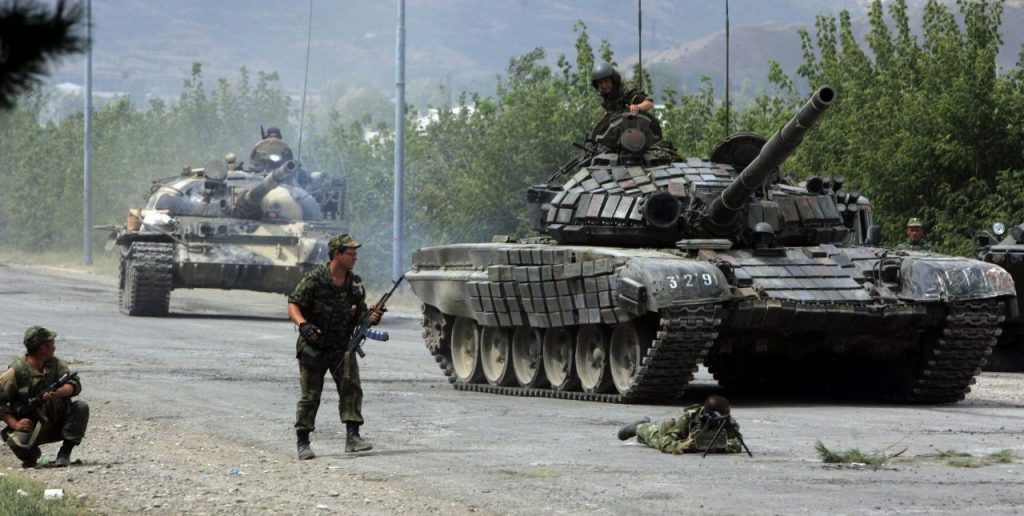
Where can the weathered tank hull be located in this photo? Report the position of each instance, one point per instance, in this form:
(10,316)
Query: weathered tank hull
(214,227)
(632,325)
(223,253)
(1008,353)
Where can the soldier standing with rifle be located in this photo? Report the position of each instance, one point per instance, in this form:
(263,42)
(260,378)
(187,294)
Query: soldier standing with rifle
(327,305)
(35,401)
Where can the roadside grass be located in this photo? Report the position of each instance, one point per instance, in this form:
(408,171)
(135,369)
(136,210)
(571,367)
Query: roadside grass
(961,459)
(32,502)
(853,456)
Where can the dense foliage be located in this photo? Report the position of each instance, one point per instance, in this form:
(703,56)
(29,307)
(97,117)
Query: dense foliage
(925,126)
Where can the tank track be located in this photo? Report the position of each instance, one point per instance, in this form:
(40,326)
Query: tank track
(152,265)
(952,360)
(684,336)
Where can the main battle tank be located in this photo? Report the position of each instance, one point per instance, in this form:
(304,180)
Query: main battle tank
(1005,247)
(223,227)
(651,265)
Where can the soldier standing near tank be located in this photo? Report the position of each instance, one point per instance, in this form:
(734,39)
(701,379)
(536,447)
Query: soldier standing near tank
(326,305)
(915,237)
(694,432)
(58,418)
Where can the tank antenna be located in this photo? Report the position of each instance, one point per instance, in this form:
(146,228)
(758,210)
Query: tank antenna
(727,68)
(305,81)
(639,42)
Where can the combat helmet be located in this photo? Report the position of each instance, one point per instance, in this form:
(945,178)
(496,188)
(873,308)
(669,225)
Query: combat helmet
(716,403)
(603,71)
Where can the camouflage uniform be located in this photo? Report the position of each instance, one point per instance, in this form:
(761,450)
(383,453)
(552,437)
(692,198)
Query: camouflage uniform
(685,435)
(335,311)
(920,246)
(620,98)
(60,419)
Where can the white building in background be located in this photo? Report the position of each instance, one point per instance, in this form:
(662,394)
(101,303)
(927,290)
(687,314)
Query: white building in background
(433,115)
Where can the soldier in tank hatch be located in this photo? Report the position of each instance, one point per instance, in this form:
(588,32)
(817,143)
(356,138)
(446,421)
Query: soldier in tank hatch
(915,237)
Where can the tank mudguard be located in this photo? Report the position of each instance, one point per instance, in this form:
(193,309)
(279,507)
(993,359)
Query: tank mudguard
(935,278)
(445,290)
(657,283)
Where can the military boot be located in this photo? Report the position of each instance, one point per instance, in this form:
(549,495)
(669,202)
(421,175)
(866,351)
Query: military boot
(64,455)
(354,443)
(630,430)
(305,452)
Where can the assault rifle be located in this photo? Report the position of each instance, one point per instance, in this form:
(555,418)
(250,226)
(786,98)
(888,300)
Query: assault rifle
(363,330)
(31,408)
(722,420)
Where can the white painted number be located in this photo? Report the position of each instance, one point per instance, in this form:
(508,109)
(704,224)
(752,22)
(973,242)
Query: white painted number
(689,280)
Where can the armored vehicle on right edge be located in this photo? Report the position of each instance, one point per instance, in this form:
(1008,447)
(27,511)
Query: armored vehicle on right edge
(651,265)
(1005,248)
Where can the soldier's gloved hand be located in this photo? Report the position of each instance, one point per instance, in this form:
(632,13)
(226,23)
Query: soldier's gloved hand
(309,331)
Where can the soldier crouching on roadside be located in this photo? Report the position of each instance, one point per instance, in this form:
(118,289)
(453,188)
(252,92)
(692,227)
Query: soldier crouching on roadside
(52,416)
(326,305)
(696,431)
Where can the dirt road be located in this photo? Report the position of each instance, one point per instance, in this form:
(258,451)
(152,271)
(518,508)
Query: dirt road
(192,414)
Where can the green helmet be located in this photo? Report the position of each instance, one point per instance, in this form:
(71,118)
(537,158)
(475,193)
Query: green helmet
(604,71)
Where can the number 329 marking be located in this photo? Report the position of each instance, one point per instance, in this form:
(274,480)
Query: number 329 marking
(691,280)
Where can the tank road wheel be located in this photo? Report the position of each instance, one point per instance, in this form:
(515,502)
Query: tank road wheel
(592,358)
(495,347)
(528,357)
(466,351)
(624,355)
(559,366)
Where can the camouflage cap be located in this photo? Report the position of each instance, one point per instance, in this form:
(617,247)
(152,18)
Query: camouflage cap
(37,336)
(342,241)
(914,222)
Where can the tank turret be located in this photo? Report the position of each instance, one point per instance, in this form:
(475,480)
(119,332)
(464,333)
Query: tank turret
(628,190)
(249,203)
(722,214)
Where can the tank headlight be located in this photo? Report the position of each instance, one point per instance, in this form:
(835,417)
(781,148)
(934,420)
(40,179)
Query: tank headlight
(274,157)
(999,229)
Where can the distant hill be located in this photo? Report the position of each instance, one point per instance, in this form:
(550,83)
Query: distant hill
(753,45)
(147,48)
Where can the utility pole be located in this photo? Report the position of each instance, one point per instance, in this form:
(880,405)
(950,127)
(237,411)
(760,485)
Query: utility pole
(87,180)
(396,244)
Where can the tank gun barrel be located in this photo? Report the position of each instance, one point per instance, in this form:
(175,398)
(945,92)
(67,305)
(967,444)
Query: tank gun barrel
(250,202)
(722,212)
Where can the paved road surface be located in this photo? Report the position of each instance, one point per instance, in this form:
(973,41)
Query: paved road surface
(224,363)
